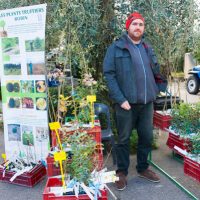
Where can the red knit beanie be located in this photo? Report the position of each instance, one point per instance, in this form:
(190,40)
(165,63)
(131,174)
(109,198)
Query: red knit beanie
(133,16)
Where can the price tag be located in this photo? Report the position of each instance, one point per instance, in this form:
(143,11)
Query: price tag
(3,155)
(91,98)
(54,125)
(60,156)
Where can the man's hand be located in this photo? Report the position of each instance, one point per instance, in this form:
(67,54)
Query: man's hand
(125,105)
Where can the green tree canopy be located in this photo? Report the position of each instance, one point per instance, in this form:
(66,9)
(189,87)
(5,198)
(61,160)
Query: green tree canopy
(169,27)
(81,30)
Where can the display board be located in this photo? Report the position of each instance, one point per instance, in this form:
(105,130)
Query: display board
(23,82)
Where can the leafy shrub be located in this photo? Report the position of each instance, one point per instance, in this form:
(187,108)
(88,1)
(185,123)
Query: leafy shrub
(186,118)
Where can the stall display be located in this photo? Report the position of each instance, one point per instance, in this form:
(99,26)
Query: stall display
(22,174)
(184,136)
(80,175)
(192,167)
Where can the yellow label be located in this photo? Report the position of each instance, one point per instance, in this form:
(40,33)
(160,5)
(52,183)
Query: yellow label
(91,98)
(54,125)
(3,155)
(58,156)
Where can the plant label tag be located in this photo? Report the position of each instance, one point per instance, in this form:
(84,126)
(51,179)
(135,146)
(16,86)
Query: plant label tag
(54,125)
(59,156)
(91,98)
(109,177)
(87,191)
(58,191)
(76,189)
(183,152)
(3,155)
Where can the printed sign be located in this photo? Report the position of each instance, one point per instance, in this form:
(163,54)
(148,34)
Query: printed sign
(23,82)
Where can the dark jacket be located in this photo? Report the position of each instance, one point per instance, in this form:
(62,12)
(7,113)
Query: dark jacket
(120,73)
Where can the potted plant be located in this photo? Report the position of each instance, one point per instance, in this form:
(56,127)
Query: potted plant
(184,125)
(185,119)
(185,134)
(83,151)
(192,160)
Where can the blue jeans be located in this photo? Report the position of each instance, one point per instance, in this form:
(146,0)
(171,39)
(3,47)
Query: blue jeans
(139,117)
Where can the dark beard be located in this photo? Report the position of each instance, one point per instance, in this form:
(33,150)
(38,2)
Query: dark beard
(136,39)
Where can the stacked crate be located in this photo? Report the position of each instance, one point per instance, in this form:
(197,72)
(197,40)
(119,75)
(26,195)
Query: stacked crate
(53,169)
(55,182)
(95,132)
(161,120)
(27,179)
(175,140)
(192,168)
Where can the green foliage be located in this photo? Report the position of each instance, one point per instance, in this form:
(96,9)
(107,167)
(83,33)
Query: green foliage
(134,142)
(196,47)
(84,115)
(2,23)
(35,45)
(169,27)
(186,122)
(195,140)
(53,95)
(88,27)
(9,43)
(78,32)
(83,148)
(27,139)
(186,118)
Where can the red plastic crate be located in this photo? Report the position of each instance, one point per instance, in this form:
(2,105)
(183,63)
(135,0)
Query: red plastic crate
(175,140)
(161,121)
(28,179)
(55,182)
(95,132)
(53,170)
(98,159)
(192,168)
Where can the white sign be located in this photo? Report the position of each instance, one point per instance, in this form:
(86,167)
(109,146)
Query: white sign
(23,82)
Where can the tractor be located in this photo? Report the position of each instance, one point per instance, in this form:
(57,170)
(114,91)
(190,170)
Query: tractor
(193,81)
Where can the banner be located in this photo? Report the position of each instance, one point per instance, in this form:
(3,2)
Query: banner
(23,83)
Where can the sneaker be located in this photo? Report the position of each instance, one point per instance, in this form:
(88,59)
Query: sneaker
(122,182)
(149,175)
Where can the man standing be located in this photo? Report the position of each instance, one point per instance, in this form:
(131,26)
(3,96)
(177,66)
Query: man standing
(133,79)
